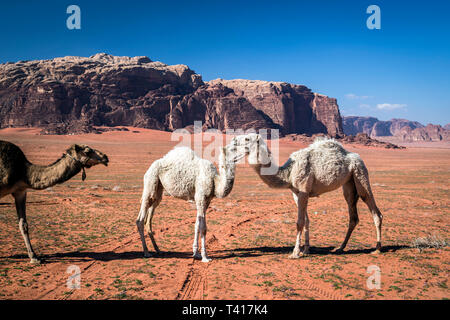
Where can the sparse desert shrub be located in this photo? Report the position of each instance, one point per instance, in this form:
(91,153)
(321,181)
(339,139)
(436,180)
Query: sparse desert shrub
(430,241)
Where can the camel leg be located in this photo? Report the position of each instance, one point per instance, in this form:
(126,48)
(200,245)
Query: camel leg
(301,219)
(20,199)
(147,199)
(306,249)
(148,220)
(200,229)
(365,192)
(306,229)
(140,222)
(351,196)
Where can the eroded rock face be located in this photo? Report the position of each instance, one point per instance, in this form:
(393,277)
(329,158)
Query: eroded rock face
(353,125)
(407,130)
(220,108)
(294,108)
(430,132)
(75,94)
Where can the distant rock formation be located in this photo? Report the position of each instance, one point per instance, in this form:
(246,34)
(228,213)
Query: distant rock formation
(430,132)
(358,139)
(406,130)
(365,140)
(76,94)
(354,125)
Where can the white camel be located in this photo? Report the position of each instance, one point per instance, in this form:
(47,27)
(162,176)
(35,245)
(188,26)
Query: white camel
(322,167)
(182,174)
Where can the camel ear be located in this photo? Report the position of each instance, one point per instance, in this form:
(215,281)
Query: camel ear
(258,138)
(222,153)
(76,147)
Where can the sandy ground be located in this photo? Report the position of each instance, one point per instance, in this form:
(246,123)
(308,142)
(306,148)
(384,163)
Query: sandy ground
(91,225)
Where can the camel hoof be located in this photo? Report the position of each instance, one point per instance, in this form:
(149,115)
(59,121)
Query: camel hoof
(339,251)
(197,256)
(206,260)
(377,251)
(35,261)
(147,255)
(294,256)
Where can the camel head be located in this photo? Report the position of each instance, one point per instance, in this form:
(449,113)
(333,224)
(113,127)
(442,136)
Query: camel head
(87,156)
(254,146)
(231,154)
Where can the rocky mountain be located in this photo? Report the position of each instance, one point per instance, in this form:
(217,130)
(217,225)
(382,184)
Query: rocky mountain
(292,107)
(406,130)
(74,94)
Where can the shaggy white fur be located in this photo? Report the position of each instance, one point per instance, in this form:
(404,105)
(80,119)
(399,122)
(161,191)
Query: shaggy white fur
(321,167)
(184,175)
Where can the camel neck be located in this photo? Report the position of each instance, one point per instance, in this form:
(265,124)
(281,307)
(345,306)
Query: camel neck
(272,175)
(224,180)
(42,177)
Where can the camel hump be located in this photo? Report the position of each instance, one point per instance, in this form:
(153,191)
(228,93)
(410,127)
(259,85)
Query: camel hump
(180,154)
(8,148)
(327,143)
(12,163)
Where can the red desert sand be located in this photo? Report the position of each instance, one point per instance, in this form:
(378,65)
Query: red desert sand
(91,225)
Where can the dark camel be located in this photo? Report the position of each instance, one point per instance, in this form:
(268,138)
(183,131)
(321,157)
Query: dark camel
(17,175)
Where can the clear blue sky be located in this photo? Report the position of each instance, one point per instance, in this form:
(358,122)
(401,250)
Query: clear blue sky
(401,70)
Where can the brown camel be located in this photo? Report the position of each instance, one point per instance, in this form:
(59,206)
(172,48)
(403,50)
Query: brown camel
(17,174)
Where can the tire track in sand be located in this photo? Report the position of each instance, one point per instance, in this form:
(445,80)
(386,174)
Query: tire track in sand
(322,294)
(195,284)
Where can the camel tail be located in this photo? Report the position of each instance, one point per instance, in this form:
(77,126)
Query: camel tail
(151,182)
(151,194)
(361,178)
(362,184)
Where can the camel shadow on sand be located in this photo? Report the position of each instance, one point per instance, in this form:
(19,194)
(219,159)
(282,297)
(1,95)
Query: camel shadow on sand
(85,256)
(313,251)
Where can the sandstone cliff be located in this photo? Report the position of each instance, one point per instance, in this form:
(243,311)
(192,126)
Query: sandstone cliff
(74,94)
(295,108)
